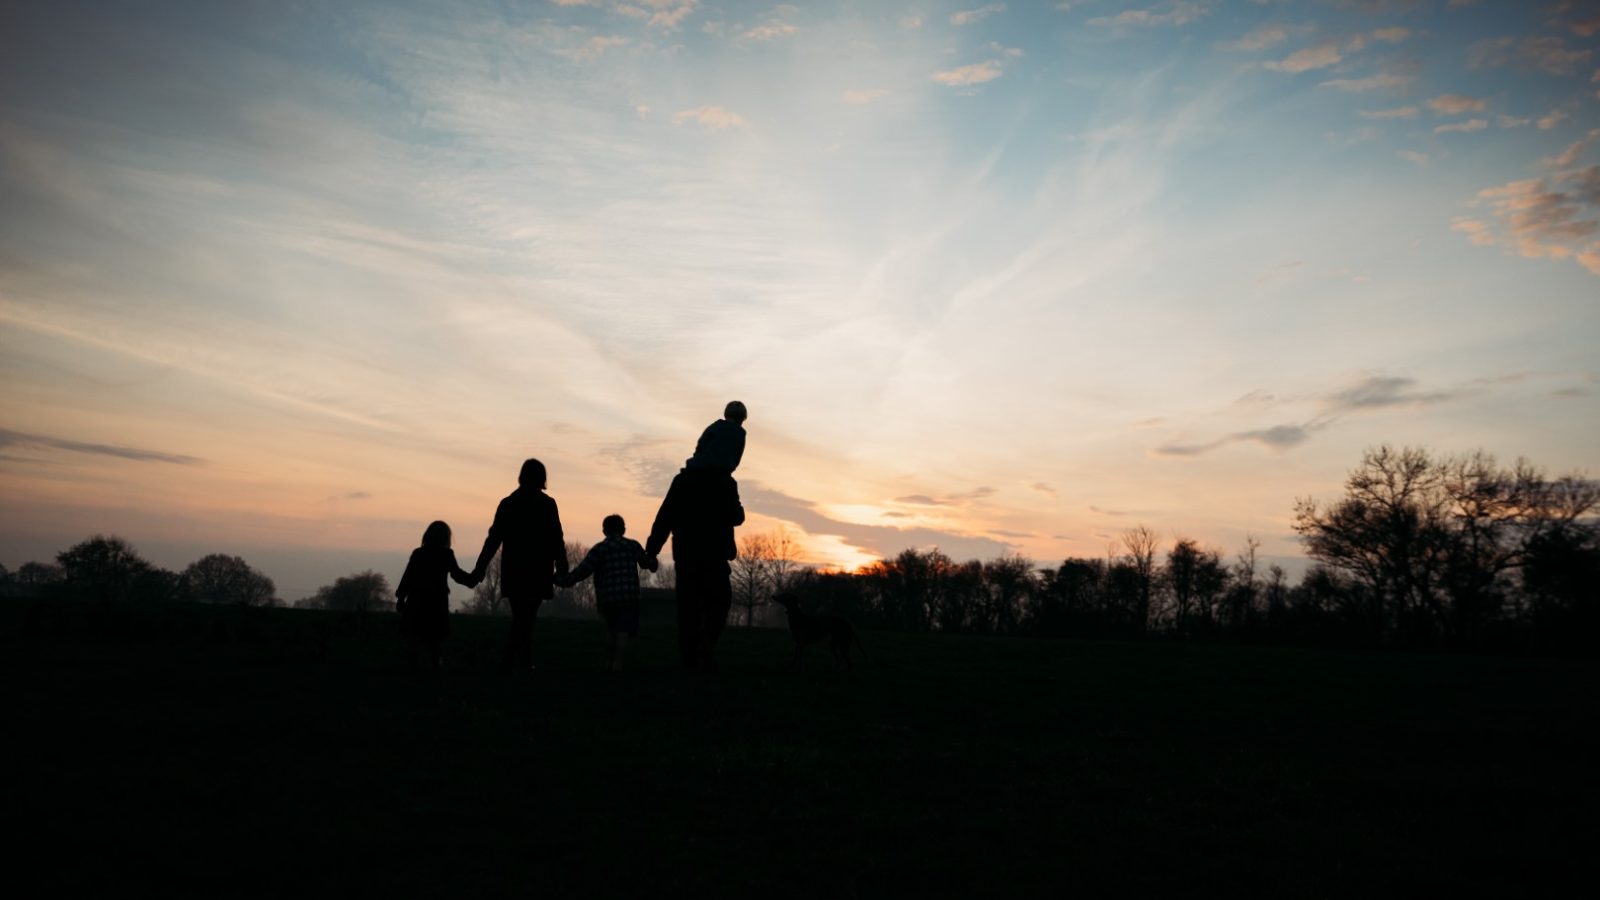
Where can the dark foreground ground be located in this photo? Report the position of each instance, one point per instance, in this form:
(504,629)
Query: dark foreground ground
(199,751)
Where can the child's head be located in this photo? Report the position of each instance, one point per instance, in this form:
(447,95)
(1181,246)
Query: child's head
(735,411)
(613,526)
(437,535)
(532,475)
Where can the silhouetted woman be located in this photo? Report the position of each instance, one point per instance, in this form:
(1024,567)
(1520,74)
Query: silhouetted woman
(424,594)
(528,527)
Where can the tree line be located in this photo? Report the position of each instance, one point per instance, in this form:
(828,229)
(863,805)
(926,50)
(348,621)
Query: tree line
(1419,551)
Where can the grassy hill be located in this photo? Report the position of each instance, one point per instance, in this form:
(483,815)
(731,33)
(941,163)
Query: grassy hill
(212,751)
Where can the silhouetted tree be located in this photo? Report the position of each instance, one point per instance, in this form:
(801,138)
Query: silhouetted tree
(1433,541)
(578,599)
(751,576)
(363,592)
(36,579)
(486,599)
(1561,578)
(218,578)
(1010,587)
(106,569)
(1139,555)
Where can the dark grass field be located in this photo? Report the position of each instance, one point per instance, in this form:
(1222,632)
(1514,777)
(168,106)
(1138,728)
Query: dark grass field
(201,751)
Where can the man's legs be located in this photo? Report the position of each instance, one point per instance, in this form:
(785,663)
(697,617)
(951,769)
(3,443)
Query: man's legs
(691,591)
(519,642)
(718,594)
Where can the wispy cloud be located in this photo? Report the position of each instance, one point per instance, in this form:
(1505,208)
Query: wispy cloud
(1369,393)
(1469,125)
(9,438)
(1172,13)
(1541,219)
(1260,38)
(968,75)
(714,118)
(1383,81)
(1456,104)
(1547,54)
(1398,112)
(1321,56)
(974,16)
(1574,151)
(863,96)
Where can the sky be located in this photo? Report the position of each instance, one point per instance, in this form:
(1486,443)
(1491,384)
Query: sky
(291,280)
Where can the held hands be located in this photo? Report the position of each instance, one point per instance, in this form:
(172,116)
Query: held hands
(652,562)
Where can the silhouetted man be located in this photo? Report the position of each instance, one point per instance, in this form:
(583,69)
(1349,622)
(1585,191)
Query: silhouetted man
(700,511)
(528,526)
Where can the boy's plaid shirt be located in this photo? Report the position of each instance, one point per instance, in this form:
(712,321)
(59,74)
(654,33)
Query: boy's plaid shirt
(615,564)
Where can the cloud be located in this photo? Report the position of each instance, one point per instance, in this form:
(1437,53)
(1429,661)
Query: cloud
(1172,13)
(9,438)
(1399,112)
(1413,156)
(1043,488)
(714,118)
(1547,54)
(1379,82)
(1569,156)
(963,76)
(770,31)
(1469,125)
(1552,119)
(863,96)
(1391,35)
(1109,512)
(1001,532)
(1277,438)
(952,500)
(974,16)
(594,48)
(1379,392)
(1456,104)
(1321,56)
(1367,394)
(910,22)
(667,15)
(1540,220)
(881,540)
(1261,38)
(1505,121)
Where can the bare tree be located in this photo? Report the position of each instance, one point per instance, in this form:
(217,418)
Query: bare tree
(1139,553)
(1433,541)
(486,599)
(752,575)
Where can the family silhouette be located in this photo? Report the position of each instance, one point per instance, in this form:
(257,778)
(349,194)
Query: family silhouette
(698,514)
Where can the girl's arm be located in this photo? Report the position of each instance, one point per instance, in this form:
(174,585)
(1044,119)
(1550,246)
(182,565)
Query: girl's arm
(463,578)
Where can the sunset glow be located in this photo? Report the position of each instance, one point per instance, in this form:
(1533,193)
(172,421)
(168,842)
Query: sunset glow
(289,282)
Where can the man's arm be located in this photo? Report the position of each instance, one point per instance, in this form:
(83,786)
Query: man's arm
(560,541)
(665,522)
(491,544)
(735,509)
